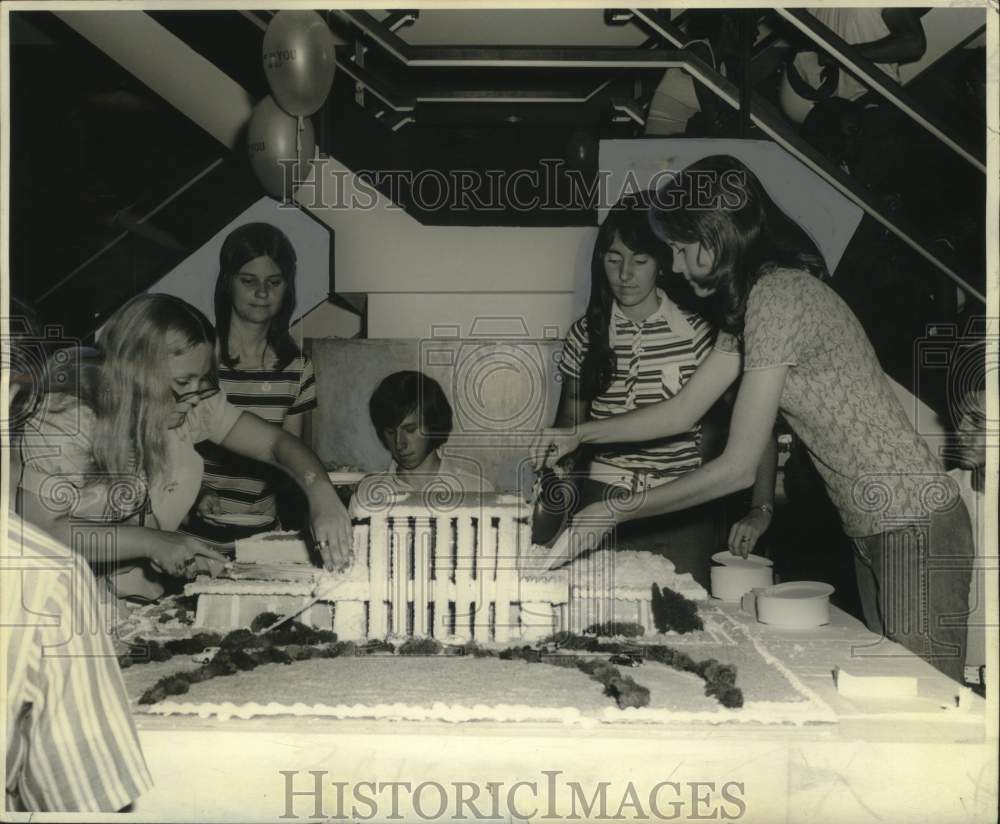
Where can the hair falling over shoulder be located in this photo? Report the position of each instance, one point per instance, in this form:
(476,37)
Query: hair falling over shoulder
(629,221)
(131,397)
(719,203)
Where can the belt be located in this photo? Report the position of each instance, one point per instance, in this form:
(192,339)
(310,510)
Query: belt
(636,480)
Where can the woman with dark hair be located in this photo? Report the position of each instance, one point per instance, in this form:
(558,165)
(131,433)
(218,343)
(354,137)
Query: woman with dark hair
(260,368)
(637,346)
(111,469)
(413,421)
(801,352)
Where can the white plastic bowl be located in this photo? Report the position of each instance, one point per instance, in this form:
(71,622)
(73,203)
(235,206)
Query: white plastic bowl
(730,581)
(795,604)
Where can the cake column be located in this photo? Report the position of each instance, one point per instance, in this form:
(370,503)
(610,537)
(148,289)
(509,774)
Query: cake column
(465,583)
(234,612)
(486,552)
(400,574)
(605,604)
(421,573)
(443,588)
(378,575)
(505,574)
(645,616)
(577,609)
(485,565)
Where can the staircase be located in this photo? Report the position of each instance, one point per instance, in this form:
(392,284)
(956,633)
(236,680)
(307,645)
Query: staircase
(112,185)
(405,107)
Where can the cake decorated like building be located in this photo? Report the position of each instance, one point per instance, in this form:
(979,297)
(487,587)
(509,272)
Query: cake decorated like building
(467,571)
(478,629)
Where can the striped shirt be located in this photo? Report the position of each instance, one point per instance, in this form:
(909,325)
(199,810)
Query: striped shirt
(243,484)
(71,742)
(655,358)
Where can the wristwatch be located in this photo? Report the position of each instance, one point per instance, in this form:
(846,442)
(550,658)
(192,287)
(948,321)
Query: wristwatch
(764,508)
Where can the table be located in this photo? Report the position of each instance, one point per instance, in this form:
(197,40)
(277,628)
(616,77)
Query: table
(924,759)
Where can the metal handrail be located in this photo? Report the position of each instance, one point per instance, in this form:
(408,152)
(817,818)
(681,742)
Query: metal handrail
(876,79)
(762,113)
(152,212)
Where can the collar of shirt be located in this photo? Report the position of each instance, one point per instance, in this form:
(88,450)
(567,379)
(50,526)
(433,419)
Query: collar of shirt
(666,311)
(393,470)
(660,313)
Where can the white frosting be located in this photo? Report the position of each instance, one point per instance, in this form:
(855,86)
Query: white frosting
(272,548)
(221,586)
(480,552)
(449,713)
(753,712)
(805,706)
(758,712)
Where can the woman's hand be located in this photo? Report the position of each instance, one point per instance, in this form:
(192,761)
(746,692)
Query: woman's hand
(182,556)
(585,532)
(208,504)
(550,445)
(255,438)
(332,529)
(746,532)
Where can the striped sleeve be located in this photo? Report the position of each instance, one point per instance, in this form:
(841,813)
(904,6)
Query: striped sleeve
(75,745)
(305,401)
(574,350)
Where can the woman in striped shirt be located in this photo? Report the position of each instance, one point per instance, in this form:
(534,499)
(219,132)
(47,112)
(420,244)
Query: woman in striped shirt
(261,370)
(637,346)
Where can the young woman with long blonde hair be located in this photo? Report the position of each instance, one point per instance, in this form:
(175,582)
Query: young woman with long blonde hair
(111,468)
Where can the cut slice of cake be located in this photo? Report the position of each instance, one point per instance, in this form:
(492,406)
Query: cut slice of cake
(273,548)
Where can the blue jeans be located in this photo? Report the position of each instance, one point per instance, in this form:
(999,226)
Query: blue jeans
(914,586)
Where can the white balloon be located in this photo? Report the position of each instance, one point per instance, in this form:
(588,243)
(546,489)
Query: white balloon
(299,61)
(273,136)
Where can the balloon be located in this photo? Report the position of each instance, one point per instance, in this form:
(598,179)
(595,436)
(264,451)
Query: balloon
(299,61)
(271,137)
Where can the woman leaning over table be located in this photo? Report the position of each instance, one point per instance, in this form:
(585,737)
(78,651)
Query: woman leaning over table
(802,352)
(111,469)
